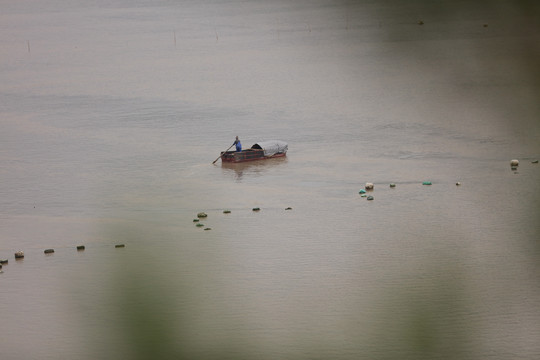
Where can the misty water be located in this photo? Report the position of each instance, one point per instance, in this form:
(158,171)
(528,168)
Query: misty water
(111,113)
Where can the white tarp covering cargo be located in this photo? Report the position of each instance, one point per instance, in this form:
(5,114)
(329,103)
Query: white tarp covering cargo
(271,147)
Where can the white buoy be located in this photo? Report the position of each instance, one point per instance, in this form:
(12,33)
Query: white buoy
(369,186)
(514,163)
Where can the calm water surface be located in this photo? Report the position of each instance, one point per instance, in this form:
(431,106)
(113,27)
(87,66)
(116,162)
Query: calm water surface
(111,114)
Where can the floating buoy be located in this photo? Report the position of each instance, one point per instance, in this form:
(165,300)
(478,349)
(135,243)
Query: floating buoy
(195,220)
(458,183)
(119,246)
(514,163)
(80,248)
(363,195)
(392,185)
(3,261)
(207,228)
(289,208)
(426,183)
(226,211)
(370,197)
(202,215)
(420,22)
(369,186)
(19,255)
(49,251)
(256,209)
(362,191)
(199,225)
(485,25)
(534,162)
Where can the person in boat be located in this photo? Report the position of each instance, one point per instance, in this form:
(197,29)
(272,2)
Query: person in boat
(238,144)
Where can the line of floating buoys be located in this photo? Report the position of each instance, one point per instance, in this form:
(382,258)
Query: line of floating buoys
(421,22)
(370,186)
(19,255)
(205,215)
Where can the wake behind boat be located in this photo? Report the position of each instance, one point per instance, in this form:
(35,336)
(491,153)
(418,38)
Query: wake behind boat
(260,151)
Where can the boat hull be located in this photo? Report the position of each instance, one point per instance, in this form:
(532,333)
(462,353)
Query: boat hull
(247,155)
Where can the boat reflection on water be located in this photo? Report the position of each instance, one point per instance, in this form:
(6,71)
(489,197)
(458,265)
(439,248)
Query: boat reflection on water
(252,168)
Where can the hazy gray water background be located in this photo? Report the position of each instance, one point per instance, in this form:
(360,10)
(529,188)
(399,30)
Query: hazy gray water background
(112,112)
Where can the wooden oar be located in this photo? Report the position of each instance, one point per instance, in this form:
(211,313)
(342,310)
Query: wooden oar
(219,157)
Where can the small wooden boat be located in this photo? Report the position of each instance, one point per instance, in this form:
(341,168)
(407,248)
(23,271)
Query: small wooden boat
(260,151)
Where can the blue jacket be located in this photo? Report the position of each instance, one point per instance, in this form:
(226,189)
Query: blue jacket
(238,145)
